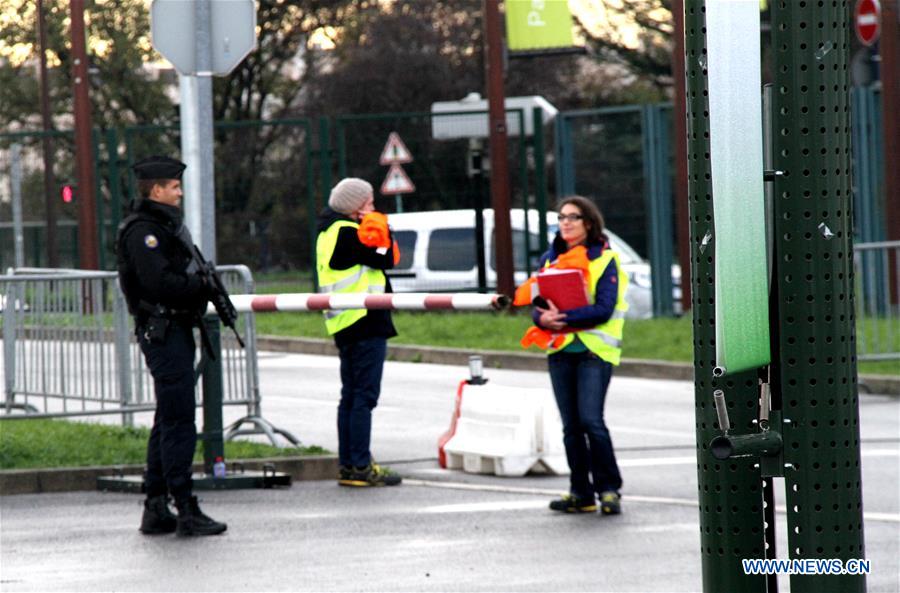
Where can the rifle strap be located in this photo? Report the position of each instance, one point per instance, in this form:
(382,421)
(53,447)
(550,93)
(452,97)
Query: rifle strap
(207,344)
(201,366)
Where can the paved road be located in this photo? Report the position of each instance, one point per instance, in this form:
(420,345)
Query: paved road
(442,530)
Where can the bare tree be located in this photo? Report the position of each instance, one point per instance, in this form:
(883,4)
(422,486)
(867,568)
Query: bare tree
(635,35)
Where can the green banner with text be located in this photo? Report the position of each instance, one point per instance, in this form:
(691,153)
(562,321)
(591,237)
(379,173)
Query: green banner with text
(538,24)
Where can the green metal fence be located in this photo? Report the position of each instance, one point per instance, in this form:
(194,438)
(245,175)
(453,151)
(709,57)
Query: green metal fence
(621,157)
(272,178)
(33,198)
(448,178)
(438,166)
(868,165)
(265,192)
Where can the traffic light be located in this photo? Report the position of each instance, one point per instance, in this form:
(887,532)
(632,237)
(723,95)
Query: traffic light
(67,192)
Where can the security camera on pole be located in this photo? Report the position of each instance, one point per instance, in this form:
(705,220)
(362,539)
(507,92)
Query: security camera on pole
(397,182)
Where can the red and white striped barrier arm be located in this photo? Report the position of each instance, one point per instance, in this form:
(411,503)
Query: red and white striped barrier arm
(405,301)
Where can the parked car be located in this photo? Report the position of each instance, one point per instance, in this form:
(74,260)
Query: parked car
(438,253)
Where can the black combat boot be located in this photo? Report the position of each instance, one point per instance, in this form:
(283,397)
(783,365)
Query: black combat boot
(192,521)
(157,516)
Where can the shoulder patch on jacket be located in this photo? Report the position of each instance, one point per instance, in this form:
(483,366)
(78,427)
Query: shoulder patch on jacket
(151,241)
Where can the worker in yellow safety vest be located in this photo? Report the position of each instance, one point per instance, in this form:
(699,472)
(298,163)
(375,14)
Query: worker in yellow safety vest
(353,248)
(586,343)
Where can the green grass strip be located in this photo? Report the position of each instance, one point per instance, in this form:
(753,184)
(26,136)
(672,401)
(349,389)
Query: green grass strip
(668,339)
(44,443)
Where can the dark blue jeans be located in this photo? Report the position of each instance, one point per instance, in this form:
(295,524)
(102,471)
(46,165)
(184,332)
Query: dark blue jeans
(173,438)
(579,384)
(362,364)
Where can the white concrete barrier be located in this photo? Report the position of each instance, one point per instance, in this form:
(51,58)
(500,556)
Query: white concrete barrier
(507,431)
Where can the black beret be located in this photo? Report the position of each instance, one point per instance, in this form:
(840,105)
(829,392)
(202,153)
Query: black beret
(158,167)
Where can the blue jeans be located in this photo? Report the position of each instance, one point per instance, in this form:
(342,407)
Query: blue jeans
(579,384)
(362,364)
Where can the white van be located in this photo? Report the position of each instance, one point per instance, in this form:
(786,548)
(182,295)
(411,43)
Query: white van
(438,253)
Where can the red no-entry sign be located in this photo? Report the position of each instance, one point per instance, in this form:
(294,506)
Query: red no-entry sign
(867,20)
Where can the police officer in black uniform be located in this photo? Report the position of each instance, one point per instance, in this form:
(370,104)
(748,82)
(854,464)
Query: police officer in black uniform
(167,298)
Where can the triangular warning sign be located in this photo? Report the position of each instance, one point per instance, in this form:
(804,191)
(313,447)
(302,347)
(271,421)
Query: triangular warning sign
(395,152)
(397,182)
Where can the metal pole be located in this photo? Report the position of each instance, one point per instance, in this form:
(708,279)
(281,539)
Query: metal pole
(658,197)
(122,342)
(813,243)
(190,154)
(213,443)
(10,318)
(730,493)
(479,231)
(889,47)
(15,180)
(197,138)
(679,127)
(540,182)
(769,514)
(115,189)
(87,215)
(500,199)
(52,244)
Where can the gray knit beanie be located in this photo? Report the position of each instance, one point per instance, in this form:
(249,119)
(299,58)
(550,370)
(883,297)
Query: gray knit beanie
(349,195)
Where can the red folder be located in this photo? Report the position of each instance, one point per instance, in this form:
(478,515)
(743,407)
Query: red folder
(564,287)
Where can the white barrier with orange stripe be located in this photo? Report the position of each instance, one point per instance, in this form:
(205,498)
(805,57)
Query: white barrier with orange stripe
(404,301)
(504,430)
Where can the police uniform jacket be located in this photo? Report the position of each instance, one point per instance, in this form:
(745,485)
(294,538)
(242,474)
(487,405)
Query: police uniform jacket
(154,263)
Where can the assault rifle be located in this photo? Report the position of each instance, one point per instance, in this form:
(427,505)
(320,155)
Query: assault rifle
(218,293)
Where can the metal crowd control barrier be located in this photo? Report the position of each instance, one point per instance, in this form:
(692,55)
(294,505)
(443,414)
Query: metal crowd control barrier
(877,278)
(69,350)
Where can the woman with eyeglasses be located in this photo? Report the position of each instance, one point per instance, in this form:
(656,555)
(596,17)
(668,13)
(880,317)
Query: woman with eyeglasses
(581,367)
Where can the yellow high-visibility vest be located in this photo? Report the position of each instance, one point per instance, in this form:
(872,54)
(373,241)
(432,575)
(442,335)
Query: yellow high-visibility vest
(358,278)
(604,340)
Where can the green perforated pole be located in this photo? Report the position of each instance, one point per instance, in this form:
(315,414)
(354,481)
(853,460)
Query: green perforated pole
(730,491)
(814,276)
(813,369)
(213,442)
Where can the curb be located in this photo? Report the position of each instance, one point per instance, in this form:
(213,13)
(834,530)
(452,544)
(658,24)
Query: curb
(529,361)
(493,359)
(324,467)
(70,479)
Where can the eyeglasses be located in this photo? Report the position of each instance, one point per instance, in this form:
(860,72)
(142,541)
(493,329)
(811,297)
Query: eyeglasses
(569,217)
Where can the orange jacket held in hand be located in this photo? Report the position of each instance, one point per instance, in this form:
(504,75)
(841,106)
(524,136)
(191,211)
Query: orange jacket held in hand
(374,232)
(575,258)
(542,338)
